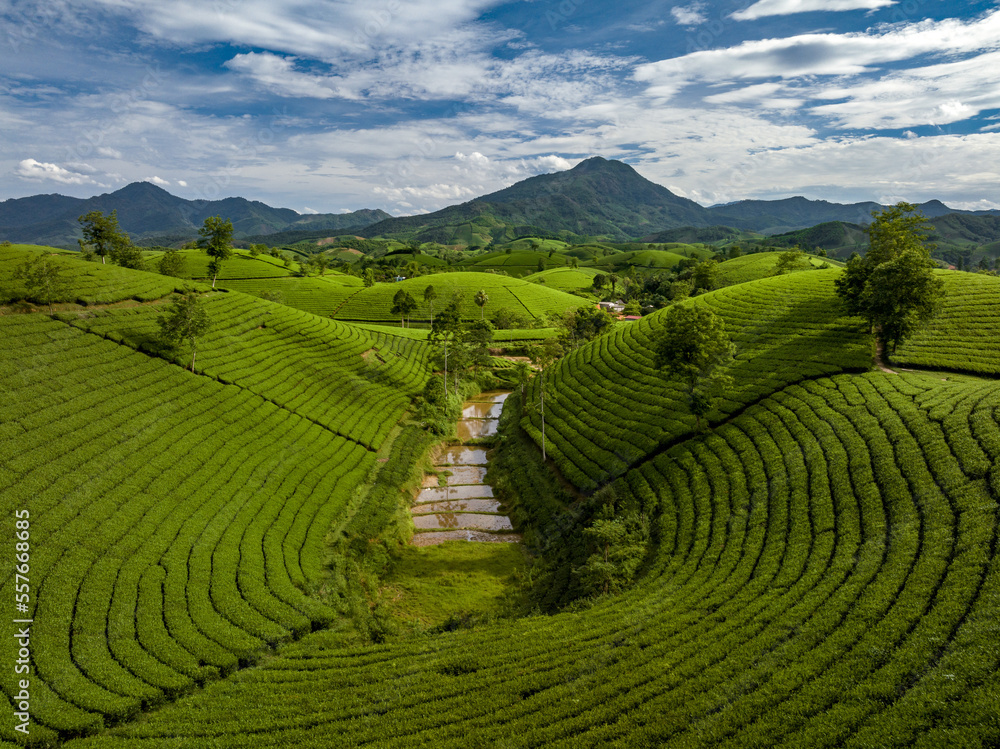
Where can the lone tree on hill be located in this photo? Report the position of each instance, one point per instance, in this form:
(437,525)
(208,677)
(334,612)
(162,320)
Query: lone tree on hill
(403,304)
(693,346)
(429,296)
(43,280)
(172,264)
(893,287)
(791,260)
(481,298)
(217,239)
(186,319)
(107,239)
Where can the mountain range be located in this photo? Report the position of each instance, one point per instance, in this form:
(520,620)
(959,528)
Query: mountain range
(598,198)
(146,211)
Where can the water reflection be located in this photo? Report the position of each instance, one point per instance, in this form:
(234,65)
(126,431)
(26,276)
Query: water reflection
(463,508)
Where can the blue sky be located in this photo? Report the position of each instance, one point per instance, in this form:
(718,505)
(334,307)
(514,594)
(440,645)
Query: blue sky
(412,105)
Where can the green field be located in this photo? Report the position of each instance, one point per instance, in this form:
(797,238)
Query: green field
(517,263)
(320,296)
(822,568)
(824,576)
(92,283)
(565,279)
(965,335)
(758,265)
(610,407)
(374,304)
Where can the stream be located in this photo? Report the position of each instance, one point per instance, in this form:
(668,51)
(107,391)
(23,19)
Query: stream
(464,508)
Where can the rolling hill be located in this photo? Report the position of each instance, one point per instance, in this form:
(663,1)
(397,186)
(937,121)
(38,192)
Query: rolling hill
(821,566)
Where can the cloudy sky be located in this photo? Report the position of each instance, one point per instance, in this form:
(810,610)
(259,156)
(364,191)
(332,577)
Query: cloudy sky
(412,105)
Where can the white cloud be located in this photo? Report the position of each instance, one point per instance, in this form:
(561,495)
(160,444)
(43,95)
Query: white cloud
(765,8)
(158,181)
(931,95)
(278,75)
(820,54)
(182,183)
(689,15)
(312,28)
(31,169)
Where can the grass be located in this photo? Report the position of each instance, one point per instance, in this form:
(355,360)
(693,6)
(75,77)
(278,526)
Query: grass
(758,265)
(822,571)
(374,304)
(824,576)
(965,335)
(607,405)
(453,581)
(565,279)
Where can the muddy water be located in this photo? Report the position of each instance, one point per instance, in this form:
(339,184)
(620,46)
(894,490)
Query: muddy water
(457,504)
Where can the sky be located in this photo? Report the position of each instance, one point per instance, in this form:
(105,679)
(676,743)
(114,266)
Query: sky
(413,105)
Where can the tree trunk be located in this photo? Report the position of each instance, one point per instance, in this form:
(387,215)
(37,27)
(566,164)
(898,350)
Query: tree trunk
(213,279)
(541,390)
(194,353)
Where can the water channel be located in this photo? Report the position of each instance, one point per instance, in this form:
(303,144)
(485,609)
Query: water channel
(457,503)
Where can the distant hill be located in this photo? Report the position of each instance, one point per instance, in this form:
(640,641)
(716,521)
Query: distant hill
(596,198)
(148,211)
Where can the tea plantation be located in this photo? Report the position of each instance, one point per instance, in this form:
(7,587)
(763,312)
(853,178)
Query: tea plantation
(821,567)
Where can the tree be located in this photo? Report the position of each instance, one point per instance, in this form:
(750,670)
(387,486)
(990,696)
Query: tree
(692,345)
(257,249)
(542,355)
(368,278)
(893,287)
(481,298)
(619,545)
(447,327)
(429,296)
(789,261)
(403,304)
(613,280)
(43,280)
(581,325)
(172,264)
(103,234)
(704,275)
(479,335)
(185,319)
(217,239)
(599,282)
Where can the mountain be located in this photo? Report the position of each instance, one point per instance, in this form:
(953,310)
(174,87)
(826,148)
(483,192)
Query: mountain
(597,197)
(146,211)
(791,214)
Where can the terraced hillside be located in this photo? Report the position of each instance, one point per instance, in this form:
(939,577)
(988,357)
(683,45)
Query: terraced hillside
(179,521)
(92,283)
(320,296)
(758,265)
(374,304)
(825,575)
(965,335)
(822,568)
(607,406)
(565,279)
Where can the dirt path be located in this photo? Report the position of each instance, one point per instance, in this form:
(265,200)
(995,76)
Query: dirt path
(880,359)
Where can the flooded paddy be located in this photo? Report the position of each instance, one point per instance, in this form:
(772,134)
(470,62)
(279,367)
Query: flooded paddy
(463,508)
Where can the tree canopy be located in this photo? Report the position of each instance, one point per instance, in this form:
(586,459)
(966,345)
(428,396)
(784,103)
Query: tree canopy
(106,238)
(185,319)
(693,346)
(217,239)
(893,287)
